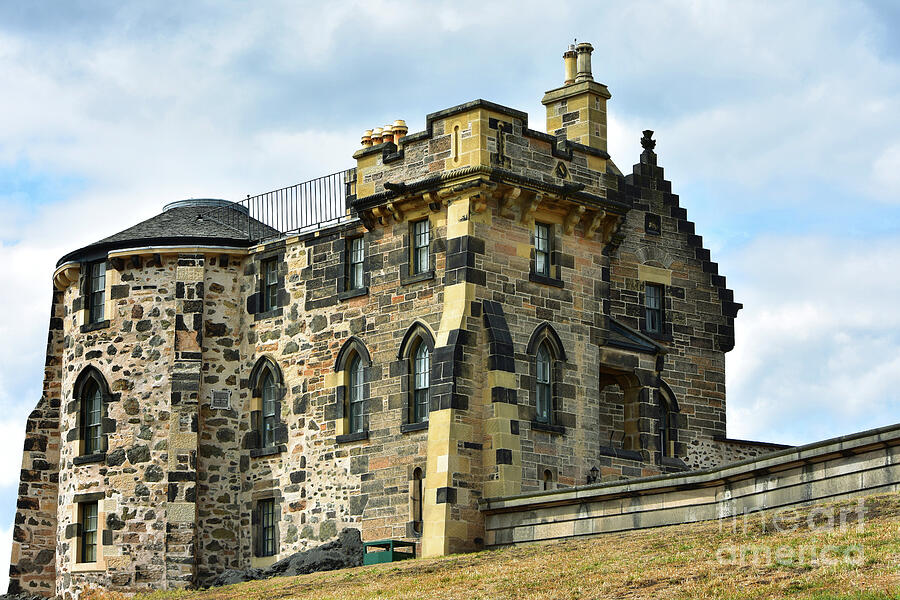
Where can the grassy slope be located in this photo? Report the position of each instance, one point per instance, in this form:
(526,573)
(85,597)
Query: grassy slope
(669,562)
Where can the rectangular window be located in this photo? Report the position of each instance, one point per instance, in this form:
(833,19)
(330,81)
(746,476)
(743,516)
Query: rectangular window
(267,540)
(542,249)
(269,412)
(97,291)
(421,242)
(88,520)
(270,284)
(653,298)
(357,252)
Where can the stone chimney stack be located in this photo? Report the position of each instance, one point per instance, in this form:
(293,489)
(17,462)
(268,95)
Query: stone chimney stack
(577,110)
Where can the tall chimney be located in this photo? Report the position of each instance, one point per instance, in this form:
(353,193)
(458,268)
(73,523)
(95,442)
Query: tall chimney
(569,60)
(583,50)
(576,111)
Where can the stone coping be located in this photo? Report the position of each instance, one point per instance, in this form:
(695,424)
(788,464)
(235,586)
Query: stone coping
(776,461)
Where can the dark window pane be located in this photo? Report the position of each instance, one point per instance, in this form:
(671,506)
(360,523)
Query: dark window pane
(267,542)
(97,292)
(88,519)
(91,418)
(270,284)
(653,308)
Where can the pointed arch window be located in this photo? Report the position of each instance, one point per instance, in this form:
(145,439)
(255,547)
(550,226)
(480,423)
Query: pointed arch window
(352,393)
(544,385)
(421,383)
(547,363)
(668,421)
(89,403)
(357,395)
(268,433)
(269,407)
(414,363)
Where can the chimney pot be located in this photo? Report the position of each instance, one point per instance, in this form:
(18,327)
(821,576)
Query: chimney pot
(376,136)
(367,138)
(583,52)
(400,129)
(387,134)
(569,62)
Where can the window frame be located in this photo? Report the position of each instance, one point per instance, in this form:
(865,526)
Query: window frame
(543,384)
(356,258)
(356,394)
(269,283)
(544,253)
(417,497)
(421,382)
(420,245)
(91,426)
(95,300)
(266,410)
(266,528)
(654,313)
(85,533)
(268,417)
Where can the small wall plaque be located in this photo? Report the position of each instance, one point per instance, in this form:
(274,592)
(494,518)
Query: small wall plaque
(221,400)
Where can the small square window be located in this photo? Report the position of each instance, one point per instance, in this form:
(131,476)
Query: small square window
(653,307)
(357,252)
(270,284)
(542,249)
(421,243)
(96,292)
(88,543)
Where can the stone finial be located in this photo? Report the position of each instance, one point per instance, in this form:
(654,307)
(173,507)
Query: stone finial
(647,142)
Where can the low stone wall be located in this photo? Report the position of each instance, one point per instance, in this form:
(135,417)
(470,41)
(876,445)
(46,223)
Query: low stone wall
(855,465)
(711,453)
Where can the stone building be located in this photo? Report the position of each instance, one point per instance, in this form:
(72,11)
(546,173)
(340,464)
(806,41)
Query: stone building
(477,310)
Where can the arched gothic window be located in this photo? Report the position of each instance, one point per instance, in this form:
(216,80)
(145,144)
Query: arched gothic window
(267,385)
(357,397)
(544,385)
(91,393)
(352,364)
(415,356)
(668,428)
(421,383)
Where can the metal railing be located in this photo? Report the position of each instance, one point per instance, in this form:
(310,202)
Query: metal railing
(299,208)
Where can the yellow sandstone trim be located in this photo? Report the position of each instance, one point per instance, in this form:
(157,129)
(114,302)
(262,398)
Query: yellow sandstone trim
(654,275)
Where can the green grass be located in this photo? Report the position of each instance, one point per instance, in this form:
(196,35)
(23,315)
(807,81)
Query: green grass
(681,561)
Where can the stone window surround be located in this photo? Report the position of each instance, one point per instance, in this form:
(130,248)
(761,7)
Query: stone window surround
(256,560)
(406,275)
(73,532)
(669,403)
(352,347)
(254,442)
(555,267)
(255,302)
(544,334)
(90,373)
(417,333)
(345,292)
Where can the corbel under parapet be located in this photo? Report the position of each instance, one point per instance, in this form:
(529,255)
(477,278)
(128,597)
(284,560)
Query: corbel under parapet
(506,200)
(573,217)
(529,207)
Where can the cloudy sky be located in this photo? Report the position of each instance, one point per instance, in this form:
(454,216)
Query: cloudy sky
(778,125)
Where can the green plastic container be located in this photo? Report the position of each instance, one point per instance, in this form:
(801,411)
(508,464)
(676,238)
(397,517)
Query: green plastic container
(386,551)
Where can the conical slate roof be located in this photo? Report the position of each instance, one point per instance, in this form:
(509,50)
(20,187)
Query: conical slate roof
(204,221)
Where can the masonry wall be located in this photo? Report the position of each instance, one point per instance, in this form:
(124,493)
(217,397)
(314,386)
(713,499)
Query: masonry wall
(33,558)
(659,247)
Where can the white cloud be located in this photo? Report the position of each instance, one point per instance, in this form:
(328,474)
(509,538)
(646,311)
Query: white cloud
(818,343)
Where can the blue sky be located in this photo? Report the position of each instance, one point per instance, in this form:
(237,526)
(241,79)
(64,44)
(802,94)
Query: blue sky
(777,123)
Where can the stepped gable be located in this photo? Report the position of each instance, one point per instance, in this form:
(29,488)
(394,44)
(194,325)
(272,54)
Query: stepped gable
(647,179)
